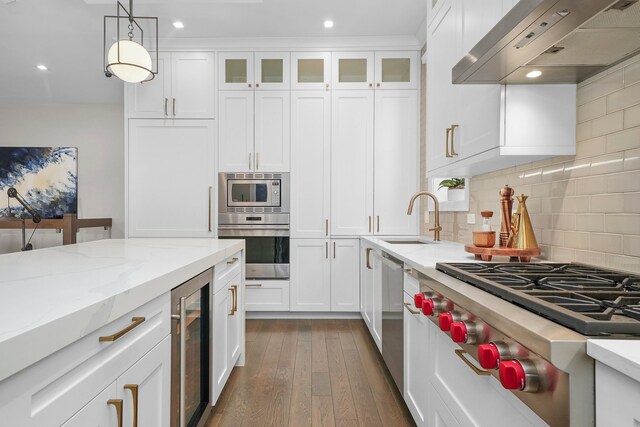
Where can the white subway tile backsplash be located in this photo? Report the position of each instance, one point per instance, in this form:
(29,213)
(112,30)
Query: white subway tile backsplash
(588,222)
(632,117)
(632,203)
(607,203)
(622,224)
(611,243)
(591,147)
(632,160)
(607,124)
(607,164)
(623,182)
(583,131)
(576,240)
(625,140)
(632,73)
(623,98)
(631,245)
(622,262)
(607,84)
(591,258)
(592,110)
(563,222)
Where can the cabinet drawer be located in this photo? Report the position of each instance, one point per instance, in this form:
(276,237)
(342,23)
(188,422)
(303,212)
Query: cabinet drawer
(226,270)
(267,295)
(52,390)
(411,285)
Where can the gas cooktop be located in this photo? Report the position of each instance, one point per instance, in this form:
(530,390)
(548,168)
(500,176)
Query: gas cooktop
(589,300)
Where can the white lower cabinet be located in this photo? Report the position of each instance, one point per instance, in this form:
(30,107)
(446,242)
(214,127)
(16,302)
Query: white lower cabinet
(438,414)
(227,324)
(371,293)
(416,351)
(267,295)
(324,275)
(98,412)
(617,397)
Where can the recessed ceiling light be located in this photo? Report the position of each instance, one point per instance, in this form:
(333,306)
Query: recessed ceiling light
(328,23)
(533,74)
(42,67)
(178,24)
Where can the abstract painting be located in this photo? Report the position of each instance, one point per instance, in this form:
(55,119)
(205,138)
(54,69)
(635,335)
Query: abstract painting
(46,177)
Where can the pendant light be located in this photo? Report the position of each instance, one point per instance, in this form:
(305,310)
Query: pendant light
(127,58)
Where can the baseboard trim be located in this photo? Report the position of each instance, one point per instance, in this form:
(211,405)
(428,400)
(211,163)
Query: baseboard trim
(301,315)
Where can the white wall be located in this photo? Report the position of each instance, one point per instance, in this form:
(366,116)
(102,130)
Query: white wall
(98,132)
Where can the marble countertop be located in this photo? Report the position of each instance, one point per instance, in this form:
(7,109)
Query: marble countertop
(621,355)
(51,297)
(422,256)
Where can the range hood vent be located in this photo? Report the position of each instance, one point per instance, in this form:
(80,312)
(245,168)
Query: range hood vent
(568,41)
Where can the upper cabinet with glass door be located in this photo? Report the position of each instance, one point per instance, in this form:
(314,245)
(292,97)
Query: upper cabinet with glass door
(310,70)
(235,70)
(272,70)
(352,70)
(396,70)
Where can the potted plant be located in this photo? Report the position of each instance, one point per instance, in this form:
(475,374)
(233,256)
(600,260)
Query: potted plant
(455,188)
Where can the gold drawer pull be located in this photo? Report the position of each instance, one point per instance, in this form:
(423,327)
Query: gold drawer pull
(134,395)
(232,261)
(473,367)
(407,305)
(135,321)
(117,403)
(453,129)
(235,298)
(368,257)
(253,285)
(446,143)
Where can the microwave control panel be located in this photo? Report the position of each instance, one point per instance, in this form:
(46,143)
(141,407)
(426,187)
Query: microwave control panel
(275,193)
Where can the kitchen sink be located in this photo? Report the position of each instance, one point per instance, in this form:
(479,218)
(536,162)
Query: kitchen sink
(407,242)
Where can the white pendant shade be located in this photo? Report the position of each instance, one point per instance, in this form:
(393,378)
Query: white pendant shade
(130,53)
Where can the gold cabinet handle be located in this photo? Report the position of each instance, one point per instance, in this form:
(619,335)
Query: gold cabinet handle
(249,84)
(368,258)
(326,250)
(378,224)
(209,204)
(378,85)
(166,101)
(407,305)
(327,86)
(446,143)
(473,367)
(369,223)
(134,394)
(233,301)
(453,129)
(174,106)
(235,298)
(257,84)
(326,227)
(135,321)
(253,285)
(249,161)
(232,261)
(117,403)
(334,250)
(257,161)
(370,84)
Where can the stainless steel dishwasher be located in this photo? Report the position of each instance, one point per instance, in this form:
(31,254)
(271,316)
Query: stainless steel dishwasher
(392,317)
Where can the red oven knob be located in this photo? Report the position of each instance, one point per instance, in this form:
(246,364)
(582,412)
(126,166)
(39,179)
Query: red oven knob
(428,307)
(418,299)
(489,356)
(469,332)
(519,374)
(459,332)
(445,320)
(431,306)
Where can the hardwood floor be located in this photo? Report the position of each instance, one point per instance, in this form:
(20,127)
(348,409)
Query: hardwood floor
(310,373)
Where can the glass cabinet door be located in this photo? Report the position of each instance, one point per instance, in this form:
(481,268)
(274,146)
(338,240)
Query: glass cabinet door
(352,70)
(310,71)
(272,70)
(396,70)
(235,70)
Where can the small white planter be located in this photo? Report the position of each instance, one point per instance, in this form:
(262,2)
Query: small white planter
(455,194)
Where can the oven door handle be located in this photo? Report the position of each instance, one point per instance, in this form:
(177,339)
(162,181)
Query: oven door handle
(257,231)
(392,265)
(183,361)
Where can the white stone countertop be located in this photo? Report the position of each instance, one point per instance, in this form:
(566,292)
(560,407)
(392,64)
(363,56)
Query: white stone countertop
(621,355)
(422,256)
(51,297)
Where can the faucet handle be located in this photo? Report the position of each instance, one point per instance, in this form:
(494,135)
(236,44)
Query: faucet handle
(438,228)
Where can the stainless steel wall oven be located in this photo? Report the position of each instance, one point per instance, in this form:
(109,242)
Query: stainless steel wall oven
(255,207)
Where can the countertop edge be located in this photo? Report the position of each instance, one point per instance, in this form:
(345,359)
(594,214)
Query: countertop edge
(621,355)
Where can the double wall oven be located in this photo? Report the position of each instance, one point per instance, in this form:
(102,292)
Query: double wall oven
(255,207)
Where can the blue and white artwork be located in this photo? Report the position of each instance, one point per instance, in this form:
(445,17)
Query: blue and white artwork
(46,177)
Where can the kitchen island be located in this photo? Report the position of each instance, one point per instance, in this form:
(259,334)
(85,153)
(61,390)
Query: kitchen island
(76,320)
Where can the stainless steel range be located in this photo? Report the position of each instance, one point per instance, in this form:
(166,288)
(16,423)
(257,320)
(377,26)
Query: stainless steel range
(255,207)
(541,358)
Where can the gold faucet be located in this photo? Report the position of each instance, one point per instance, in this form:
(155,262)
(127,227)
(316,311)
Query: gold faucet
(436,225)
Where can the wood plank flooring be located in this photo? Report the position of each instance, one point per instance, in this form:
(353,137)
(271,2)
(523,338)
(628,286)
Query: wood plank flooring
(310,373)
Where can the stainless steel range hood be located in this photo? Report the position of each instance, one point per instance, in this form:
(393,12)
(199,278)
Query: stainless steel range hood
(567,40)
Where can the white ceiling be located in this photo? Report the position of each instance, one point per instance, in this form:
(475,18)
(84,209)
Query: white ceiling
(66,36)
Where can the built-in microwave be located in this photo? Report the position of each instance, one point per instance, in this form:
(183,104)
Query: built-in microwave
(253,192)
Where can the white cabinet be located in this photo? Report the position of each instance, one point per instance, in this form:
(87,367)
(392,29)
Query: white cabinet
(183,88)
(474,129)
(371,292)
(267,295)
(228,322)
(325,275)
(616,397)
(352,163)
(352,70)
(396,161)
(254,135)
(396,70)
(175,204)
(376,294)
(416,351)
(310,163)
(310,70)
(249,70)
(345,275)
(74,384)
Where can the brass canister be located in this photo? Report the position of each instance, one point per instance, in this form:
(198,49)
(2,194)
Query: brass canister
(522,235)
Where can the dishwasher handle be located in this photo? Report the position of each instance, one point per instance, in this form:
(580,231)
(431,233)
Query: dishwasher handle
(388,262)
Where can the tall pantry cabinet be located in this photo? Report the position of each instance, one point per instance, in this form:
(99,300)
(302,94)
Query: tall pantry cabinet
(354,167)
